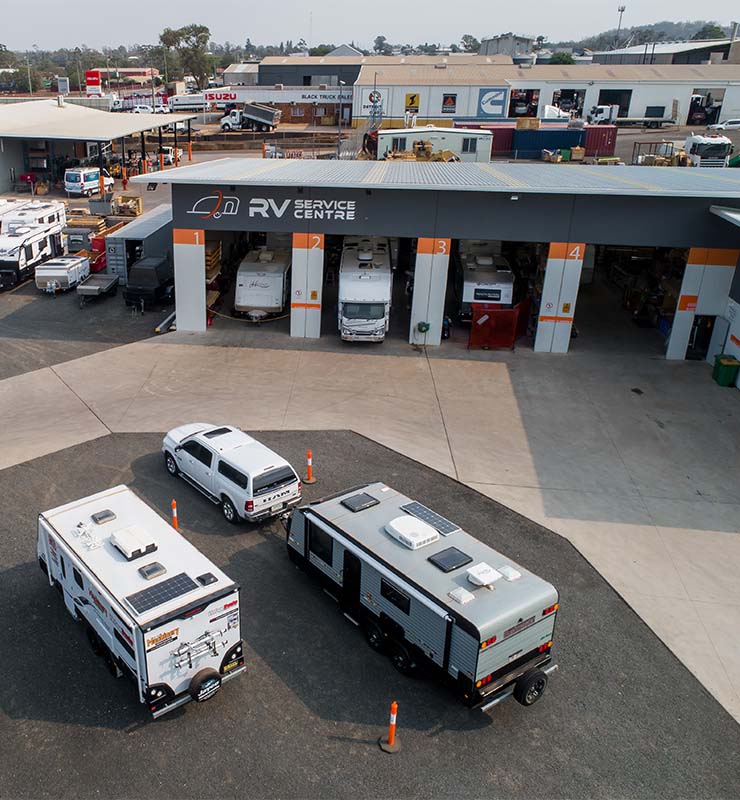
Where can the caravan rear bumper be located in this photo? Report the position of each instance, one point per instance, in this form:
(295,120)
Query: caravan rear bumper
(186,698)
(502,694)
(503,687)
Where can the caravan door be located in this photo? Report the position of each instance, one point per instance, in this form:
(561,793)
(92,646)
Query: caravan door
(351,579)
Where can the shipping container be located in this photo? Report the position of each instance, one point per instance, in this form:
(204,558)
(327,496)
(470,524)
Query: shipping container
(601,140)
(502,140)
(531,143)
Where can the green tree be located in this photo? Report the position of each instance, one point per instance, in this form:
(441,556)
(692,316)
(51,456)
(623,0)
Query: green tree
(381,46)
(469,43)
(191,45)
(562,58)
(710,31)
(19,79)
(540,42)
(7,58)
(321,49)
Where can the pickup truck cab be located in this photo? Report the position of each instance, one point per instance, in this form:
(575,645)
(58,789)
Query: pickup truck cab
(247,479)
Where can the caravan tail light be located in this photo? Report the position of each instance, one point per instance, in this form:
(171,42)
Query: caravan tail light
(549,610)
(249,506)
(484,681)
(487,642)
(544,647)
(300,487)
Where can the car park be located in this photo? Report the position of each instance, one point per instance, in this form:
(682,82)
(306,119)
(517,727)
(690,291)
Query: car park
(247,479)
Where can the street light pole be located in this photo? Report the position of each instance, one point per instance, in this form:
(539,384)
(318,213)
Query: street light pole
(28,70)
(339,134)
(79,79)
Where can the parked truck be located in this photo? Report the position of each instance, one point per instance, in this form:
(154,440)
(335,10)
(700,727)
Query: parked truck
(655,117)
(709,150)
(252,116)
(426,592)
(154,608)
(365,290)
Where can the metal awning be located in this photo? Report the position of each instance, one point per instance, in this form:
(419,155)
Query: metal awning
(730,214)
(50,119)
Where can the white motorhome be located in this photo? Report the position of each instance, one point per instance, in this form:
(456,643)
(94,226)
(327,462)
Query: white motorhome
(154,607)
(62,273)
(466,143)
(365,289)
(425,591)
(23,247)
(262,282)
(484,276)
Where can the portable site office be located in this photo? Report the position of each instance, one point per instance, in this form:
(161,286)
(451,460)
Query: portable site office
(154,607)
(426,590)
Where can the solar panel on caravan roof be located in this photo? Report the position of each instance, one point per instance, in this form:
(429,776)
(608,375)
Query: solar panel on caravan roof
(161,592)
(437,521)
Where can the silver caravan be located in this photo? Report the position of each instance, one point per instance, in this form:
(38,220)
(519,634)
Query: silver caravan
(484,276)
(424,590)
(23,247)
(50,212)
(262,282)
(154,607)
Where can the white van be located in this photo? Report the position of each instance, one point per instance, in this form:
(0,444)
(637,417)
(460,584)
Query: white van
(248,480)
(154,607)
(262,282)
(85,181)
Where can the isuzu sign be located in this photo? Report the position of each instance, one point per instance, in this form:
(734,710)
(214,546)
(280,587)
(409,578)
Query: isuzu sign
(220,97)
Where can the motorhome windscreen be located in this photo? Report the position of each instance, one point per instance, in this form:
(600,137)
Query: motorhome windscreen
(273,479)
(363,310)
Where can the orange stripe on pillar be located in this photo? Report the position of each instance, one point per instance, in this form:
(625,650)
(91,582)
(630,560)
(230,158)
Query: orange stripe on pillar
(188,236)
(433,247)
(722,258)
(308,241)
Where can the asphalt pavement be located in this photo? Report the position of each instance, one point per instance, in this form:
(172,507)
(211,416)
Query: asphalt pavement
(622,718)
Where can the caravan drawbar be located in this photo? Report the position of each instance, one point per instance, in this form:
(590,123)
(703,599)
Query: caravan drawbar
(425,591)
(154,607)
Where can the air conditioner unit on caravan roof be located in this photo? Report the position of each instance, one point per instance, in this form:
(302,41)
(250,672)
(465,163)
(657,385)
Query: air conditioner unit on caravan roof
(411,532)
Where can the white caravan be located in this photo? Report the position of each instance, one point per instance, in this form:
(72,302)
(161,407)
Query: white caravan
(262,282)
(62,273)
(484,276)
(154,607)
(8,208)
(51,212)
(23,247)
(365,289)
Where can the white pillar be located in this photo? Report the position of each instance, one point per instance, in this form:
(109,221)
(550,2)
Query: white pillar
(430,287)
(559,295)
(307,270)
(189,250)
(705,289)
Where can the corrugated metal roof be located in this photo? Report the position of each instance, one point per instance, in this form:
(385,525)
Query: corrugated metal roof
(242,69)
(46,119)
(476,74)
(380,61)
(664,47)
(146,224)
(466,177)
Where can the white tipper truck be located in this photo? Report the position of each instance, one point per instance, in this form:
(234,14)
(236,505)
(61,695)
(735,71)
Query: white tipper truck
(710,150)
(154,607)
(365,289)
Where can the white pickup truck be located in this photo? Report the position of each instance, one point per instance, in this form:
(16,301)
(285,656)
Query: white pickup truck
(248,480)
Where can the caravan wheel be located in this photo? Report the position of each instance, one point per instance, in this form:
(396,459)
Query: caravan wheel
(403,660)
(530,687)
(374,636)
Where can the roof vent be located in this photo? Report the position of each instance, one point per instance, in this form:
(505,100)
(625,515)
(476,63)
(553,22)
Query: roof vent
(411,532)
(509,573)
(133,542)
(483,574)
(365,255)
(461,595)
(266,256)
(484,261)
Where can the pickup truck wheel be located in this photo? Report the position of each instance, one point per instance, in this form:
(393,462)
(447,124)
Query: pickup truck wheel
(229,512)
(530,687)
(226,127)
(374,636)
(171,465)
(403,660)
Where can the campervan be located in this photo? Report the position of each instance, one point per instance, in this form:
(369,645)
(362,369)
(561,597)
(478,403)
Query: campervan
(153,606)
(262,282)
(365,289)
(426,592)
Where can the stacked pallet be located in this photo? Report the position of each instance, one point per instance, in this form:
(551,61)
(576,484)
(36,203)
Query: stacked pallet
(213,261)
(91,222)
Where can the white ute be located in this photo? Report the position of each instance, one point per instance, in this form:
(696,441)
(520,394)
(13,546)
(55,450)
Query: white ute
(154,607)
(248,480)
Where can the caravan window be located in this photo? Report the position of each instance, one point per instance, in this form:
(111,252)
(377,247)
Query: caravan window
(469,145)
(321,544)
(124,644)
(78,578)
(395,596)
(28,249)
(398,143)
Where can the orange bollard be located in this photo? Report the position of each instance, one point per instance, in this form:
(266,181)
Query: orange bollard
(309,471)
(390,745)
(190,151)
(161,162)
(174,515)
